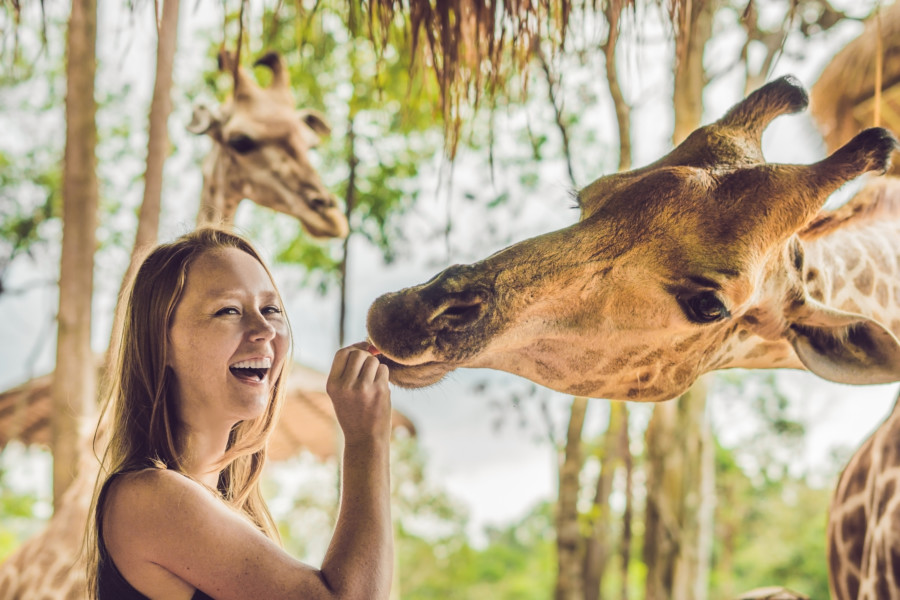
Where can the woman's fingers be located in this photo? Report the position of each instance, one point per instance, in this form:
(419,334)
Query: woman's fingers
(370,368)
(354,363)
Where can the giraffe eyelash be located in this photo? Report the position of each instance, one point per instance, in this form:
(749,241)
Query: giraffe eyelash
(575,197)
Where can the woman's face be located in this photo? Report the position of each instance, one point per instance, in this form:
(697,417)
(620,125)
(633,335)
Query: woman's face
(227,339)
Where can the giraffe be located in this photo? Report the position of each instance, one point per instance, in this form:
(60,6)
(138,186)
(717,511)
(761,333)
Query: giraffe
(863,521)
(709,258)
(260,153)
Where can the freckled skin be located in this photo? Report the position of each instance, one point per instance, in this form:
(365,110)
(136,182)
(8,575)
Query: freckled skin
(702,260)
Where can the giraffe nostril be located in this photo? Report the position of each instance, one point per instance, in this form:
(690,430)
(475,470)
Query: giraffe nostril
(321,202)
(459,312)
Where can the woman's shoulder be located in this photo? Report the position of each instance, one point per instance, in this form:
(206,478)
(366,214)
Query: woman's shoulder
(152,491)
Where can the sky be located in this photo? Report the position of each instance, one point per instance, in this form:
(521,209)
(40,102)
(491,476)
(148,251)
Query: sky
(494,458)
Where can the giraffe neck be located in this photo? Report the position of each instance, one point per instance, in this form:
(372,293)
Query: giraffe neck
(853,267)
(857,270)
(218,198)
(864,514)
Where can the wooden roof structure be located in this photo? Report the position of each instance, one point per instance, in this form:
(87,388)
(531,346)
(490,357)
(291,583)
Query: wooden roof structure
(843,100)
(307,419)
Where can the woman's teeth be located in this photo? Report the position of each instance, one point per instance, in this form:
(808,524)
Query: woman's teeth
(256,363)
(255,369)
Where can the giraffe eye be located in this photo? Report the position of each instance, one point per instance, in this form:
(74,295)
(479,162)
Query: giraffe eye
(705,307)
(242,144)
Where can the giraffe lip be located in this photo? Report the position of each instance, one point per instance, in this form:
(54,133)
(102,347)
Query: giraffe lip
(415,376)
(325,227)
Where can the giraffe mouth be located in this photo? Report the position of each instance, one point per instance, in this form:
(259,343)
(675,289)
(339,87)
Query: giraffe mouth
(415,376)
(326,223)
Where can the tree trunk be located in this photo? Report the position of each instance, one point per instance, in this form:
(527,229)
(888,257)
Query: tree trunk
(568,537)
(625,551)
(349,202)
(147,233)
(599,544)
(678,523)
(613,12)
(74,384)
(690,78)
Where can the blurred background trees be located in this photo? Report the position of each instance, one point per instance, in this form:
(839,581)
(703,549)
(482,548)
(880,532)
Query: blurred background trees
(652,501)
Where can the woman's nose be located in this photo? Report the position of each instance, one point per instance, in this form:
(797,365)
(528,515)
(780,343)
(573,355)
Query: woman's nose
(261,329)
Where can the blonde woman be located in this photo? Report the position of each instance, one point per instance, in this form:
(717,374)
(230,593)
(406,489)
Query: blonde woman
(178,511)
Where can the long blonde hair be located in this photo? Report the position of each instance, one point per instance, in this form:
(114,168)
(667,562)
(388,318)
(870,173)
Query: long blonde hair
(141,402)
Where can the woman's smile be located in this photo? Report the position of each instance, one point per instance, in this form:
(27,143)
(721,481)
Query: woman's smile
(253,371)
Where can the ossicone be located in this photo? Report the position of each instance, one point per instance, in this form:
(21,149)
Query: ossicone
(784,95)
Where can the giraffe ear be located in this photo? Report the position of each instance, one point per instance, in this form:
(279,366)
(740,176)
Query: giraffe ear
(317,123)
(844,347)
(203,119)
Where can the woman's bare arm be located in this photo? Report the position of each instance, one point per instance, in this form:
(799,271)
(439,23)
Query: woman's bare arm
(168,534)
(359,561)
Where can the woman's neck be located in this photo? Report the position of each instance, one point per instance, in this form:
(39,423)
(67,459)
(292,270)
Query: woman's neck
(200,450)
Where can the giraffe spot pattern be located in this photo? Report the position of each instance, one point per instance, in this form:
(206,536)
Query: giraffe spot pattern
(548,371)
(852,585)
(853,259)
(688,342)
(615,365)
(834,557)
(851,306)
(682,374)
(853,529)
(882,260)
(895,558)
(885,496)
(818,295)
(855,548)
(858,472)
(865,280)
(837,285)
(587,387)
(762,350)
(881,294)
(651,358)
(883,591)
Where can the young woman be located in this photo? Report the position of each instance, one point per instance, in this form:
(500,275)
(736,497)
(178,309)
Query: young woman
(200,379)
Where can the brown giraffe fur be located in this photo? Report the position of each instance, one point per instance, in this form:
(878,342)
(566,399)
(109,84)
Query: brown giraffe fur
(864,520)
(275,173)
(709,258)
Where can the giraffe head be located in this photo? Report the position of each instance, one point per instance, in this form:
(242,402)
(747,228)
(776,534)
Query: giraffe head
(689,264)
(261,147)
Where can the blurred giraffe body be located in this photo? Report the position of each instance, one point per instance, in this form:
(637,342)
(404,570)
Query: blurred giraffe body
(864,521)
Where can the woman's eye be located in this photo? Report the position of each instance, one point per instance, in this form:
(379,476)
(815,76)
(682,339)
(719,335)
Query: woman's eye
(705,308)
(271,310)
(229,310)
(242,144)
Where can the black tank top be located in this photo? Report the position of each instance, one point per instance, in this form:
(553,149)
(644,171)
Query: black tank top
(111,585)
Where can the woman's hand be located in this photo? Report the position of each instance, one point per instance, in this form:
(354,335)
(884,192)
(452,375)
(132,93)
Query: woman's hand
(358,387)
